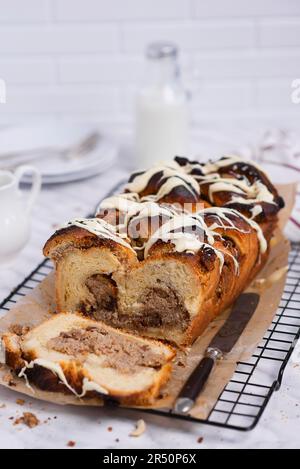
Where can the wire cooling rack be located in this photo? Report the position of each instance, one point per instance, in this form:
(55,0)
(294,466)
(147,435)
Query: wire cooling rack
(244,398)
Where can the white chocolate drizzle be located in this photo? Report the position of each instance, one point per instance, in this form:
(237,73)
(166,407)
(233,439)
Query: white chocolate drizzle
(100,228)
(256,210)
(183,240)
(175,175)
(225,161)
(134,210)
(254,193)
(56,368)
(176,231)
(49,365)
(260,236)
(127,202)
(179,226)
(221,213)
(88,385)
(172,174)
(249,193)
(214,166)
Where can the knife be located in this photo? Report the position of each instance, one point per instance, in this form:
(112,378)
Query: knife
(222,343)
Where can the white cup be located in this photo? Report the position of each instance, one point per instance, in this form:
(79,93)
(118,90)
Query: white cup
(15,211)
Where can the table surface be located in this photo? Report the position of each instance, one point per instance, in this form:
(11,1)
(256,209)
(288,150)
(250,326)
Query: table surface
(103,428)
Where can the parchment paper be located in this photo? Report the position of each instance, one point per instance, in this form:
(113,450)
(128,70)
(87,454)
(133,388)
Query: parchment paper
(39,304)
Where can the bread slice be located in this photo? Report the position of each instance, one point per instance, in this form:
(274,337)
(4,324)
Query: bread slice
(70,353)
(79,255)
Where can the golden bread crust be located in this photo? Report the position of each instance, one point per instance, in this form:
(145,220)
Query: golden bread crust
(121,287)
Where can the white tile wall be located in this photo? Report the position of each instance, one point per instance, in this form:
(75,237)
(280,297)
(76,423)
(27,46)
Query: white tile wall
(14,11)
(58,39)
(190,35)
(114,10)
(280,32)
(245,8)
(60,99)
(84,58)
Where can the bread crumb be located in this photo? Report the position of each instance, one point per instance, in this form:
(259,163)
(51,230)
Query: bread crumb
(140,428)
(200,439)
(29,419)
(117,440)
(19,330)
(2,406)
(180,363)
(20,401)
(7,377)
(109,429)
(71,443)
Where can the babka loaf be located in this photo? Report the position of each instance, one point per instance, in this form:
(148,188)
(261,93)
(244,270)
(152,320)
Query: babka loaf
(72,354)
(167,255)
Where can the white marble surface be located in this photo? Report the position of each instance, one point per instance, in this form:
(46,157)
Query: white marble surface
(279,425)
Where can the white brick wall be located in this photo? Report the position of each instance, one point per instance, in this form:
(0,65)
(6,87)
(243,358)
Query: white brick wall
(84,58)
(31,11)
(114,10)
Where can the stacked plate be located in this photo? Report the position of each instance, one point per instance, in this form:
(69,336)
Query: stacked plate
(62,152)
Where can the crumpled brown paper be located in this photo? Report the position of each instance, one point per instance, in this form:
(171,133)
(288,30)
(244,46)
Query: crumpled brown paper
(39,304)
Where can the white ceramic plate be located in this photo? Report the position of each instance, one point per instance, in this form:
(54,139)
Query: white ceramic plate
(46,141)
(49,134)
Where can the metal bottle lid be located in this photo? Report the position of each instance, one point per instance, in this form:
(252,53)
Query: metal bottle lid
(161,49)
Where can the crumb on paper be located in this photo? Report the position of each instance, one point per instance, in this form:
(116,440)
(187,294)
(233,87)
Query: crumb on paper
(29,419)
(20,401)
(163,395)
(19,329)
(7,377)
(140,428)
(71,443)
(271,279)
(109,429)
(2,406)
(258,282)
(200,439)
(180,363)
(117,440)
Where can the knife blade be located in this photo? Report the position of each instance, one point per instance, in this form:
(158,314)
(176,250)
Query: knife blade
(221,344)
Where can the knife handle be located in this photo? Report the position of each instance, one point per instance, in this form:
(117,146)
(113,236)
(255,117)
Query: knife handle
(196,381)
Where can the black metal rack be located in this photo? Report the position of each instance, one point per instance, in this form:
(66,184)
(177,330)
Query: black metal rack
(244,398)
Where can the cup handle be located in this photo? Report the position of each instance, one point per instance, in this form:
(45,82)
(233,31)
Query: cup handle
(35,185)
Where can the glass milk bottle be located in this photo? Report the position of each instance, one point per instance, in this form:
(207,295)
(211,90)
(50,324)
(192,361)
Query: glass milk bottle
(161,114)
